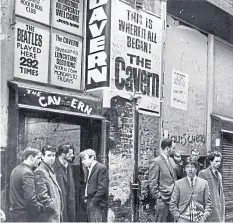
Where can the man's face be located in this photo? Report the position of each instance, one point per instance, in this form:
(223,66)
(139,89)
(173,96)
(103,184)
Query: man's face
(190,170)
(35,160)
(49,157)
(87,160)
(171,150)
(69,156)
(195,155)
(215,164)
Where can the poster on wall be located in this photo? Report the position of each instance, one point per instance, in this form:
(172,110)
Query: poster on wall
(68,15)
(66,55)
(136,54)
(38,10)
(179,90)
(31,51)
(97,44)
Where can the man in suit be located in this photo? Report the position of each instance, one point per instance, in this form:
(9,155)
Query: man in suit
(161,180)
(191,199)
(47,189)
(65,179)
(24,204)
(96,191)
(214,178)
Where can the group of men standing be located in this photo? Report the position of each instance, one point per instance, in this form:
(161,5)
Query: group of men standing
(192,198)
(42,187)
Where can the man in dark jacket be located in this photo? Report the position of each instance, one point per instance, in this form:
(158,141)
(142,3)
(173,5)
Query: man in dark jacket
(24,204)
(47,188)
(96,191)
(65,179)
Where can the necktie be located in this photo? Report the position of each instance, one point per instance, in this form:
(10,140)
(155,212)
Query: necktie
(191,183)
(170,166)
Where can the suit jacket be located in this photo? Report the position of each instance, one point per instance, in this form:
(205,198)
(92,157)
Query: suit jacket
(182,194)
(217,196)
(97,185)
(66,183)
(48,193)
(161,179)
(24,203)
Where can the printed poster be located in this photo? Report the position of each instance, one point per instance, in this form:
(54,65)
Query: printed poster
(179,90)
(38,10)
(66,56)
(68,15)
(31,51)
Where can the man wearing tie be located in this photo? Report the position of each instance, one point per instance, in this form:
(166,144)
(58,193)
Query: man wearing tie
(214,178)
(161,180)
(96,191)
(191,199)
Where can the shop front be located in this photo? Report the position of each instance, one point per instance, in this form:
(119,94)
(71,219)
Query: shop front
(42,115)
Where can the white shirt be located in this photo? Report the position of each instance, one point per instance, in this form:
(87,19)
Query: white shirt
(89,172)
(194,179)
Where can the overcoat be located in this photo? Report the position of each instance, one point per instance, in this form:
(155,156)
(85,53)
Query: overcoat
(24,204)
(217,196)
(49,194)
(65,180)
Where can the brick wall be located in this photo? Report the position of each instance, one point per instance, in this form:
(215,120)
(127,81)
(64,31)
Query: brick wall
(121,160)
(149,138)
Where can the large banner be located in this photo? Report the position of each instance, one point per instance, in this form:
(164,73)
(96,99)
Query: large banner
(31,51)
(136,54)
(38,10)
(66,58)
(68,15)
(98,44)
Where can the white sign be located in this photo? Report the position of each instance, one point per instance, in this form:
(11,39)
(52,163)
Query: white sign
(179,90)
(38,10)
(31,51)
(136,54)
(66,60)
(68,15)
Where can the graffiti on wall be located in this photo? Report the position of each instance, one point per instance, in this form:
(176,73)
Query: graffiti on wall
(191,139)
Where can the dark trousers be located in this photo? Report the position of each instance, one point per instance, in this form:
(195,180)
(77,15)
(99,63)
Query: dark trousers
(94,212)
(162,212)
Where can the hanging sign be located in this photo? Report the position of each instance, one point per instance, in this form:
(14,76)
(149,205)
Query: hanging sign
(136,54)
(98,44)
(38,10)
(66,60)
(31,51)
(68,15)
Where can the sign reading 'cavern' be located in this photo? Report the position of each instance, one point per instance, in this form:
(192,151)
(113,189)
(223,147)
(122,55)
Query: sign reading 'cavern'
(98,46)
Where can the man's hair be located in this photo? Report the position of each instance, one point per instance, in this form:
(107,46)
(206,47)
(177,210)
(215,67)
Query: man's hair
(29,151)
(214,154)
(189,160)
(48,148)
(89,152)
(64,148)
(166,143)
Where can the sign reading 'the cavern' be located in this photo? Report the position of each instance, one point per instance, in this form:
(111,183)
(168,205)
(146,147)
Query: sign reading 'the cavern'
(97,45)
(136,53)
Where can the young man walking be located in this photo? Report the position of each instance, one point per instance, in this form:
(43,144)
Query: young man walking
(214,178)
(191,199)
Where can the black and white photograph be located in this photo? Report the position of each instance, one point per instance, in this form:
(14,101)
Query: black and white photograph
(116,111)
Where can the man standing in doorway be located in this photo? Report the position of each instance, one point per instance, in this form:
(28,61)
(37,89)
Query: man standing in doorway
(191,199)
(24,204)
(47,188)
(214,178)
(161,180)
(96,192)
(65,179)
